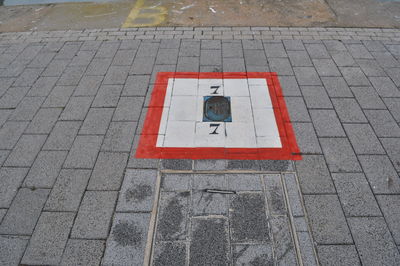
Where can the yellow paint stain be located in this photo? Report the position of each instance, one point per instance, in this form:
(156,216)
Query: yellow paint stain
(141,16)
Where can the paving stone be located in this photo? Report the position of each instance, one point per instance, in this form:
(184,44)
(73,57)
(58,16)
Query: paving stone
(385,59)
(142,65)
(392,147)
(94,216)
(289,86)
(326,123)
(88,86)
(245,220)
(385,87)
(252,254)
(84,152)
(142,163)
(313,174)
(25,150)
(327,220)
(276,165)
(10,180)
(204,203)
(107,96)
(119,136)
(348,110)
(27,108)
(56,68)
(368,98)
(293,194)
(393,104)
(306,249)
(45,169)
(173,216)
(307,76)
(13,96)
(82,58)
(116,75)
(147,49)
(243,182)
(49,238)
(210,164)
(43,121)
(285,253)
(67,192)
(253,58)
(137,191)
(62,135)
(28,77)
(316,97)
(24,212)
(374,46)
(59,96)
(331,255)
(128,109)
(363,139)
(356,195)
(71,76)
(42,86)
(4,114)
(127,240)
(176,164)
(10,133)
(107,49)
(294,45)
(281,66)
(12,249)
(358,51)
(274,193)
(371,68)
(76,108)
(233,64)
(373,241)
(3,156)
(342,58)
(69,50)
(209,243)
(354,76)
(124,57)
(317,50)
(297,109)
(98,67)
(42,59)
(380,174)
(394,74)
(383,123)
(167,56)
(208,58)
(326,67)
(388,205)
(96,121)
(274,50)
(170,253)
(339,155)
(306,138)
(169,44)
(136,85)
(83,252)
(175,182)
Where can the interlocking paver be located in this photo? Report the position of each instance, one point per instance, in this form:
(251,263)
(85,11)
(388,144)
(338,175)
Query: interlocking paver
(307,76)
(71,76)
(76,108)
(331,255)
(84,252)
(119,136)
(13,96)
(363,139)
(393,104)
(368,98)
(49,238)
(371,68)
(27,109)
(107,96)
(98,66)
(108,171)
(68,190)
(339,155)
(128,109)
(43,86)
(336,87)
(12,249)
(383,123)
(96,121)
(124,57)
(59,96)
(388,205)
(374,242)
(84,152)
(24,212)
(392,147)
(45,169)
(10,179)
(306,138)
(25,151)
(342,58)
(10,133)
(88,86)
(297,109)
(136,85)
(385,87)
(43,121)
(348,110)
(94,216)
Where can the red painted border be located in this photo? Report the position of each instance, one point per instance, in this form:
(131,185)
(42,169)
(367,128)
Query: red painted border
(148,139)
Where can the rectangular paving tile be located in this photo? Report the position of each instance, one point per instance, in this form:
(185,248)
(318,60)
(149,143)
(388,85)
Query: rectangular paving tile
(10,180)
(108,171)
(62,136)
(49,238)
(274,193)
(128,109)
(77,108)
(385,87)
(119,136)
(336,87)
(285,253)
(383,123)
(27,109)
(88,86)
(307,76)
(136,85)
(339,155)
(137,192)
(107,96)
(368,98)
(374,242)
(355,195)
(306,138)
(363,139)
(44,121)
(25,150)
(316,97)
(348,110)
(127,240)
(388,204)
(327,220)
(96,121)
(392,147)
(67,192)
(24,212)
(86,252)
(94,216)
(10,133)
(209,243)
(326,123)
(84,152)
(338,254)
(12,249)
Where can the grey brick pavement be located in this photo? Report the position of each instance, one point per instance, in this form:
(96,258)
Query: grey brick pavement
(71,111)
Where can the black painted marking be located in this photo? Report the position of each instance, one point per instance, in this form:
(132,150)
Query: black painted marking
(215,130)
(216,89)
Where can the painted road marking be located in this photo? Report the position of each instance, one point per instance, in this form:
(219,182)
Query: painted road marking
(256,126)
(142,16)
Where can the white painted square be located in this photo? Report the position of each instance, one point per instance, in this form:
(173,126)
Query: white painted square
(253,121)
